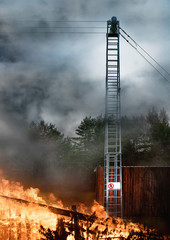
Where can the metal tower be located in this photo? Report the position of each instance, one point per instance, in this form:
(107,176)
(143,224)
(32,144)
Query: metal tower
(112,197)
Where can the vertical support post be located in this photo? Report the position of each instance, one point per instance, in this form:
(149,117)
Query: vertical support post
(112,197)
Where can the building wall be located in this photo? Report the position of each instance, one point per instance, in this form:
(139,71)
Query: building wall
(146,191)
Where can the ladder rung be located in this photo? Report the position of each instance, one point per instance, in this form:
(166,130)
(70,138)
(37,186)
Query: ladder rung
(113,167)
(115,196)
(113,77)
(117,175)
(112,55)
(112,155)
(113,74)
(111,97)
(113,81)
(112,43)
(112,38)
(112,88)
(114,204)
(112,66)
(115,85)
(112,60)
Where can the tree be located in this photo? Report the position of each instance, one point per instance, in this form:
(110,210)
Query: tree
(46,131)
(57,154)
(159,132)
(159,127)
(145,141)
(135,140)
(90,141)
(61,159)
(56,144)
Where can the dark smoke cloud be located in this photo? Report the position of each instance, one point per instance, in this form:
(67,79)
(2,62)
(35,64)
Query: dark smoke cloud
(53,76)
(61,77)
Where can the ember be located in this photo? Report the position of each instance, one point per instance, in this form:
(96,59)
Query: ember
(27,216)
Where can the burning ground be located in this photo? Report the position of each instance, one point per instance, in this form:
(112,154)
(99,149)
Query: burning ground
(24,214)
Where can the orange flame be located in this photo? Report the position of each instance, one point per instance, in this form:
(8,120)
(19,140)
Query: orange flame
(18,221)
(21,221)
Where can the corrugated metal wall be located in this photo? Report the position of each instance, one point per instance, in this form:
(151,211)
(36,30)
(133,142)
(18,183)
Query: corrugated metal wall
(146,191)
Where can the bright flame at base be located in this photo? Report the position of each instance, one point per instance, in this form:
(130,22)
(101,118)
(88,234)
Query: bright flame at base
(20,221)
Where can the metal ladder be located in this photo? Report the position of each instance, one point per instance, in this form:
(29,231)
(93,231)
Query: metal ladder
(112,197)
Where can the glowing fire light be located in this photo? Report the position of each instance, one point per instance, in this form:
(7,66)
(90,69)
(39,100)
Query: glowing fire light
(22,221)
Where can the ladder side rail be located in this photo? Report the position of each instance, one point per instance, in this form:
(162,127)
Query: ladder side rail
(120,142)
(105,194)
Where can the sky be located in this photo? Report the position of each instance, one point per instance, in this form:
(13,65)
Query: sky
(60,77)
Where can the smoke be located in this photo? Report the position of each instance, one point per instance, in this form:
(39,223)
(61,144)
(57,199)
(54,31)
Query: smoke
(60,77)
(147,91)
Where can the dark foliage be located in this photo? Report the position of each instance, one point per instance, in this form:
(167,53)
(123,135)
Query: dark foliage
(145,141)
(90,142)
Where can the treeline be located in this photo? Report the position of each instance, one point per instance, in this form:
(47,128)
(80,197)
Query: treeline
(145,141)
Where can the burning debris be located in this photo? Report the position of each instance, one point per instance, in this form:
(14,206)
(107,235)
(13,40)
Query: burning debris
(76,231)
(24,215)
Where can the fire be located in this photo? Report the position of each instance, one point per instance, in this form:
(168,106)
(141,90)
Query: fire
(21,220)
